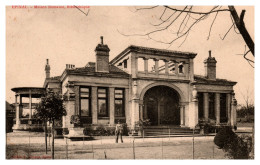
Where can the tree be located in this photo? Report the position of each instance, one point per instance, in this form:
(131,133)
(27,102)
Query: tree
(180,21)
(50,109)
(247,109)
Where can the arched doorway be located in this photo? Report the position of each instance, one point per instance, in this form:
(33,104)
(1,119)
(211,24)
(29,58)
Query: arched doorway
(161,106)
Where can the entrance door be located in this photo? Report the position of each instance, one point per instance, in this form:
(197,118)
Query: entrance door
(161,106)
(153,111)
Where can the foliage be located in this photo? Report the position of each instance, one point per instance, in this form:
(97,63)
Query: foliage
(141,123)
(75,119)
(206,126)
(235,147)
(103,131)
(239,148)
(244,111)
(50,108)
(224,137)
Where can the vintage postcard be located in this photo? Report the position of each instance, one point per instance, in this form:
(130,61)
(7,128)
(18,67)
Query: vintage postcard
(129,82)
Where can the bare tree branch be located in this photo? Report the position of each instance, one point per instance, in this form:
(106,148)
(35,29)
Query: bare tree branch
(242,29)
(227,32)
(234,24)
(194,12)
(212,25)
(184,39)
(163,13)
(166,20)
(82,10)
(247,59)
(146,8)
(183,21)
(171,22)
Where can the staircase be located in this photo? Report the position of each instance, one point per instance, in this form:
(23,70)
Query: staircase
(168,131)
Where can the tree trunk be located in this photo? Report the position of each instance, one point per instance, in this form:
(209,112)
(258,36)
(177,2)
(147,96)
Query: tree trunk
(52,143)
(45,135)
(242,29)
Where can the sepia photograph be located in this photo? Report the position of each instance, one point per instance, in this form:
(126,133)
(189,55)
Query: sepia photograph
(132,82)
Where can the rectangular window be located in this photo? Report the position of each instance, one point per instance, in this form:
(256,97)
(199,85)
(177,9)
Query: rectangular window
(119,103)
(102,102)
(85,101)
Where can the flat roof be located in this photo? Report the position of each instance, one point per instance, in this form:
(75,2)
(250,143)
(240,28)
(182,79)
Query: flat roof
(25,91)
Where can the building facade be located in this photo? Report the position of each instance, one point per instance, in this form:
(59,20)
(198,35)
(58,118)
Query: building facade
(144,83)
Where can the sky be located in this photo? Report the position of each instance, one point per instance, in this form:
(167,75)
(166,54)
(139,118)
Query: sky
(67,36)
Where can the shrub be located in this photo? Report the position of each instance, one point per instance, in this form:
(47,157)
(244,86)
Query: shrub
(239,148)
(224,137)
(99,131)
(234,146)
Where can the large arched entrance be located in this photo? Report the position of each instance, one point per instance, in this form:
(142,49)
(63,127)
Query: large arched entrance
(161,106)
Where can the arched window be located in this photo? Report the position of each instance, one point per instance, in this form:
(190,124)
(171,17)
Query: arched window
(181,68)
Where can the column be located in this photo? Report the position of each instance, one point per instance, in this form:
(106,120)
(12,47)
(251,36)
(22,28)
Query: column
(193,110)
(127,113)
(145,65)
(135,105)
(135,112)
(186,70)
(176,67)
(233,111)
(145,111)
(141,114)
(206,106)
(217,108)
(77,100)
(166,67)
(20,106)
(17,110)
(182,116)
(191,73)
(112,106)
(228,107)
(94,105)
(156,66)
(30,107)
(134,65)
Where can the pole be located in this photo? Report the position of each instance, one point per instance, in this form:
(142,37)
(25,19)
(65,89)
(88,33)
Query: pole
(162,148)
(134,148)
(45,136)
(169,132)
(214,145)
(29,153)
(143,134)
(193,143)
(92,150)
(66,149)
(52,145)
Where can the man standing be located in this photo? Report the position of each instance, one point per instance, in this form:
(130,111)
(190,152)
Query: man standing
(119,131)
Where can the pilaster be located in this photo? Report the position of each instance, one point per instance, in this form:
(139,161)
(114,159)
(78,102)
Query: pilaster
(94,105)
(112,106)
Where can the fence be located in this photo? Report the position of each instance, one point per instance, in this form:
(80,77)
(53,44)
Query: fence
(32,146)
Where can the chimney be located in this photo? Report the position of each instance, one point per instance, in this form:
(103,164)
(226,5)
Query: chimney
(210,67)
(102,57)
(70,66)
(47,69)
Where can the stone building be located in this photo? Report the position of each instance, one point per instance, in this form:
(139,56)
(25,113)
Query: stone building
(144,83)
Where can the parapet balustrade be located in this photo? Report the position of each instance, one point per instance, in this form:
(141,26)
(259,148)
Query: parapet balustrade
(157,67)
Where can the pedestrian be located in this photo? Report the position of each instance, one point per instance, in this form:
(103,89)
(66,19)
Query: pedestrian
(119,131)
